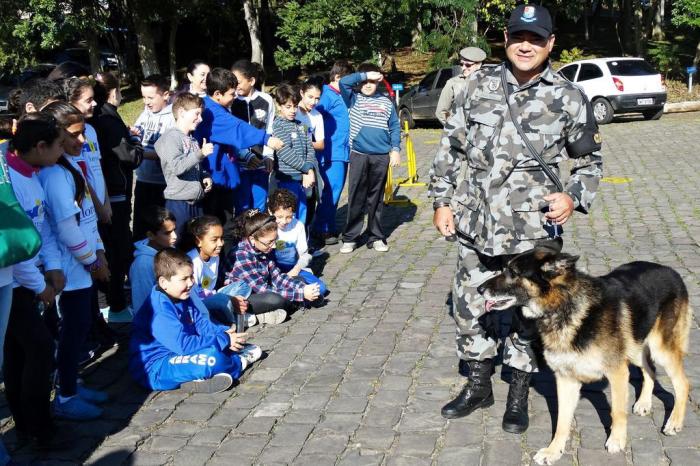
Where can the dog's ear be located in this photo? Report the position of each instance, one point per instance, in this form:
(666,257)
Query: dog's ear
(560,264)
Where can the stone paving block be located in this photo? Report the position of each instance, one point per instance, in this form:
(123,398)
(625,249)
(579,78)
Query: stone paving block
(461,434)
(347,404)
(242,446)
(302,416)
(647,452)
(465,455)
(178,429)
(256,425)
(315,459)
(421,422)
(290,434)
(109,456)
(193,456)
(279,454)
(127,437)
(325,444)
(598,456)
(683,456)
(383,416)
(163,444)
(501,452)
(194,412)
(407,461)
(416,444)
(358,458)
(688,437)
(228,417)
(271,409)
(373,438)
(339,422)
(146,458)
(209,436)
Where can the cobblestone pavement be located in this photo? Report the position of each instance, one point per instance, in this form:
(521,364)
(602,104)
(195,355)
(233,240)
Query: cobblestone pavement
(361,381)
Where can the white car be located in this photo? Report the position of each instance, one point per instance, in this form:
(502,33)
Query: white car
(619,85)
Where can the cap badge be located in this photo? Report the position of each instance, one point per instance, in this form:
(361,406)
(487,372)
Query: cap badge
(493,85)
(528,14)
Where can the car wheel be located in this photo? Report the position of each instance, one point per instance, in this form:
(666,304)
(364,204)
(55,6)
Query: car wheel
(405,116)
(653,114)
(602,110)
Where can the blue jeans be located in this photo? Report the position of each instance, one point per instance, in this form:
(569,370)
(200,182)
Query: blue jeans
(183,212)
(220,306)
(333,175)
(306,276)
(252,192)
(298,190)
(178,369)
(76,317)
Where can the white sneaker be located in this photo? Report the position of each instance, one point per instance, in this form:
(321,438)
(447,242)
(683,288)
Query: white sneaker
(273,317)
(251,320)
(218,383)
(380,246)
(249,354)
(347,248)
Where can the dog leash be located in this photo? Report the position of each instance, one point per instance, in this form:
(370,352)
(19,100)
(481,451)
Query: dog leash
(536,155)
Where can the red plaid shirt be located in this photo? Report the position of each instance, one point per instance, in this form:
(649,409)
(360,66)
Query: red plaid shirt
(259,271)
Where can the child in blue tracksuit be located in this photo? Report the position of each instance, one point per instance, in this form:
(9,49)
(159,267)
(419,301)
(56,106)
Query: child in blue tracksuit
(229,135)
(173,342)
(375,139)
(333,159)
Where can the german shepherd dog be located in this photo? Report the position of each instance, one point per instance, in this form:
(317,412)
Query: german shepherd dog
(593,327)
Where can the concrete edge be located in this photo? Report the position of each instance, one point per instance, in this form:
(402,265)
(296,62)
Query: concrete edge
(678,107)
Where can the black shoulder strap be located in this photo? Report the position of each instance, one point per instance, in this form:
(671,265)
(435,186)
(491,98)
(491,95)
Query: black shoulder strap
(537,156)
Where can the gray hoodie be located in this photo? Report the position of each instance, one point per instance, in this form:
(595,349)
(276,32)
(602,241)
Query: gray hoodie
(180,158)
(152,126)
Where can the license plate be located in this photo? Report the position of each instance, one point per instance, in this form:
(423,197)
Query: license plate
(645,101)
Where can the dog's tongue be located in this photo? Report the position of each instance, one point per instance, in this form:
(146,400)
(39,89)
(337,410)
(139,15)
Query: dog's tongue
(489,305)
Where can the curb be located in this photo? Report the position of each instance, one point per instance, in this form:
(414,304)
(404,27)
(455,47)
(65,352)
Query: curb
(678,107)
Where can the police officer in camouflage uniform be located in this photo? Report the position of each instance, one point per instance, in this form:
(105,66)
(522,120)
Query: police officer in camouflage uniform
(493,195)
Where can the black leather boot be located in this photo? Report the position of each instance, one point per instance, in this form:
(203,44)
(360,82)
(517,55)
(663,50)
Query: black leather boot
(515,419)
(477,392)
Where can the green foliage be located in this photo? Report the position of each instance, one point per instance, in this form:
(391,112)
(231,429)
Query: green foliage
(668,57)
(318,32)
(451,26)
(686,13)
(568,56)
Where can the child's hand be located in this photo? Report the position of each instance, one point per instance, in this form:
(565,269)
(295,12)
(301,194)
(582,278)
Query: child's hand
(312,292)
(308,179)
(47,296)
(236,340)
(269,165)
(104,213)
(56,279)
(394,158)
(275,143)
(374,76)
(240,304)
(253,163)
(207,148)
(102,274)
(208,183)
(135,130)
(295,271)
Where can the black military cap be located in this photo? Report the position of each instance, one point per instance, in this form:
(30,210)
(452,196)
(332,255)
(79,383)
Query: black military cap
(533,18)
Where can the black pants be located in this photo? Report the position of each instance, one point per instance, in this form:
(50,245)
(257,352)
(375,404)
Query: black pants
(220,203)
(29,360)
(119,250)
(260,303)
(76,308)
(145,195)
(366,180)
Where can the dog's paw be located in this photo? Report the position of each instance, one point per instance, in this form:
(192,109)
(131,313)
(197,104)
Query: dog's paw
(615,444)
(547,456)
(642,408)
(672,428)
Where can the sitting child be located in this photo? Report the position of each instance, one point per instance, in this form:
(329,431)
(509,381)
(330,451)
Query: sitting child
(291,251)
(253,263)
(159,224)
(173,342)
(206,233)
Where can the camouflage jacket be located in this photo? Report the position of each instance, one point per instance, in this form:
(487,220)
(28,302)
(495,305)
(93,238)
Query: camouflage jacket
(482,168)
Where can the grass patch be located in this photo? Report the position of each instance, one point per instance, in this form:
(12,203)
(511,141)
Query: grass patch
(130,111)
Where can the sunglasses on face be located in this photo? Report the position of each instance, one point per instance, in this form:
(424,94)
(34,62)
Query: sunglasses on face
(468,64)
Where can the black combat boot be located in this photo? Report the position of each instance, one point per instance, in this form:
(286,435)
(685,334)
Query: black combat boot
(477,392)
(515,419)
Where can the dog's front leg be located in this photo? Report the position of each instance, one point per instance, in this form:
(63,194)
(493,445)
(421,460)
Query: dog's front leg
(619,379)
(568,390)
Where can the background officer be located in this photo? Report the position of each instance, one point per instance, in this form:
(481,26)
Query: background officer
(491,192)
(470,59)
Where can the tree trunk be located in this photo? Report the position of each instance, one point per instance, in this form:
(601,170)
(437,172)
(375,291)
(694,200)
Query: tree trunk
(657,31)
(639,35)
(93,52)
(585,24)
(171,52)
(696,61)
(416,35)
(268,36)
(626,21)
(253,22)
(146,46)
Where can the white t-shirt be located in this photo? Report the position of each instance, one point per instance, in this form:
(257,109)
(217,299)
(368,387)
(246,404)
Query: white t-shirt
(313,121)
(60,199)
(291,243)
(91,154)
(205,273)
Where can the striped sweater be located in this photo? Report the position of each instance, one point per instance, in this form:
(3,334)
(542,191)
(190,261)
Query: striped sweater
(297,156)
(374,125)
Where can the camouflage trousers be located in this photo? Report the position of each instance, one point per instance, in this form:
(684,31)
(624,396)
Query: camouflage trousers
(479,332)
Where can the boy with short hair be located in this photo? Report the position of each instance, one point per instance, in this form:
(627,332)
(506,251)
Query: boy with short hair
(156,117)
(159,224)
(228,135)
(174,344)
(375,143)
(180,157)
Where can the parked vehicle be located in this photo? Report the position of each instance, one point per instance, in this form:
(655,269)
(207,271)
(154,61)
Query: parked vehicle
(619,85)
(420,101)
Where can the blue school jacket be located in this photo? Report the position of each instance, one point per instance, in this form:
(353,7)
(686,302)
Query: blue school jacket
(336,125)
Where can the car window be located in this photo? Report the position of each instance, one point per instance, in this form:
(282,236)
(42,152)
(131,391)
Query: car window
(589,71)
(569,72)
(445,74)
(630,68)
(427,82)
